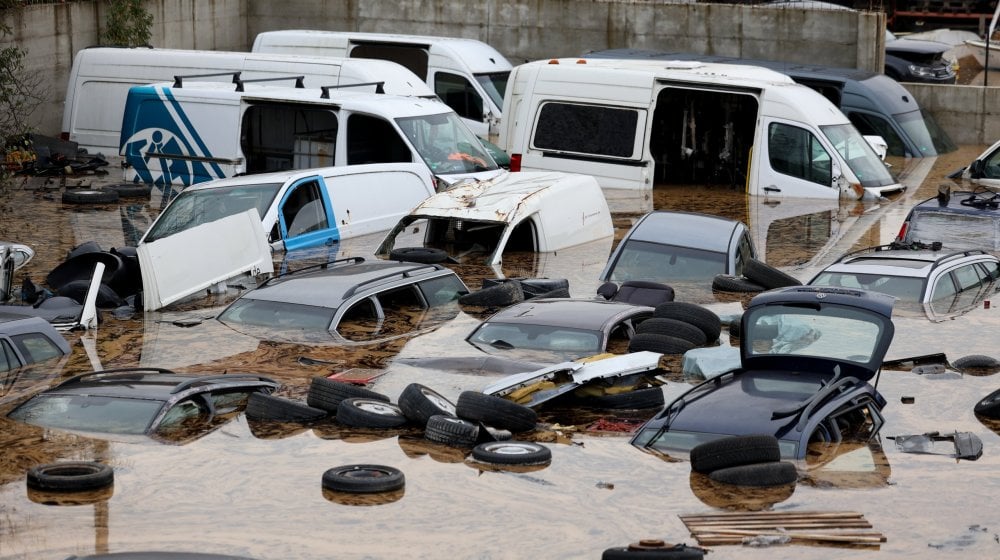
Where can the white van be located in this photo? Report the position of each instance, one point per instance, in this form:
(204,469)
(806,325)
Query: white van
(101,77)
(190,132)
(469,75)
(634,124)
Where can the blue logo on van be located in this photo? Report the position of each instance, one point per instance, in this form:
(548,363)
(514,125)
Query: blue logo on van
(161,145)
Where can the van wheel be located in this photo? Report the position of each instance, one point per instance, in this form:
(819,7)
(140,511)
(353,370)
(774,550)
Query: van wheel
(427,255)
(766,275)
(71,476)
(90,196)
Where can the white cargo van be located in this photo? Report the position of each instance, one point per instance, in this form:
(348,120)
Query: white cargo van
(469,75)
(101,77)
(634,124)
(189,132)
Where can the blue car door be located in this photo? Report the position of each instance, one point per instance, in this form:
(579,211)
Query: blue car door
(305,215)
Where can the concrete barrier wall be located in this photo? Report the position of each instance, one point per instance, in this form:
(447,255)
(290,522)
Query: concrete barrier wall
(521,29)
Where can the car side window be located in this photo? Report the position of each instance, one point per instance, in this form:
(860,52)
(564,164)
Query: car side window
(587,129)
(38,346)
(743,253)
(441,290)
(991,167)
(8,359)
(459,94)
(968,277)
(874,125)
(795,151)
(991,269)
(374,140)
(944,287)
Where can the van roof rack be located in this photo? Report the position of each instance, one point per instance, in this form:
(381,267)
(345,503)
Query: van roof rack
(299,81)
(179,80)
(326,89)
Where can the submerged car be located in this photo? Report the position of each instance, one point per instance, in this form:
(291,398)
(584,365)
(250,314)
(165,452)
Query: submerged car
(142,401)
(667,246)
(808,355)
(958,220)
(27,340)
(914,60)
(571,328)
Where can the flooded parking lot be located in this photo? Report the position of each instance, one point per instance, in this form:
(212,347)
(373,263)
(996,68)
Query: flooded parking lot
(251,488)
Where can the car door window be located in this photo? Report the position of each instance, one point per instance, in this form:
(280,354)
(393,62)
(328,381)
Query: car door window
(38,346)
(442,290)
(869,124)
(797,152)
(991,167)
(374,140)
(944,287)
(303,211)
(8,359)
(459,94)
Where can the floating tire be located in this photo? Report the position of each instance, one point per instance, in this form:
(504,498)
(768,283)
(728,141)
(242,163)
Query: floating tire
(989,406)
(768,276)
(495,411)
(131,190)
(653,550)
(262,406)
(637,399)
(70,476)
(659,343)
(512,453)
(369,413)
(363,479)
(451,430)
(419,403)
(327,393)
(976,362)
(556,293)
(674,328)
(734,451)
(736,284)
(500,295)
(90,196)
(107,298)
(426,255)
(701,317)
(776,473)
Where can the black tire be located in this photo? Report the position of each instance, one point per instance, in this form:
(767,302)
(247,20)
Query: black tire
(363,479)
(131,190)
(262,406)
(667,552)
(674,328)
(766,275)
(500,295)
(659,343)
(638,399)
(735,327)
(327,393)
(451,430)
(107,298)
(556,293)
(89,196)
(495,411)
(976,361)
(70,476)
(512,453)
(989,406)
(701,317)
(369,413)
(734,451)
(81,267)
(777,473)
(739,284)
(427,255)
(419,403)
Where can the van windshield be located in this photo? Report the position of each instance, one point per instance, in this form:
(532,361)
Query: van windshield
(929,138)
(858,154)
(446,144)
(200,206)
(494,84)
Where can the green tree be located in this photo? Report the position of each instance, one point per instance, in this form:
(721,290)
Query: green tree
(127,24)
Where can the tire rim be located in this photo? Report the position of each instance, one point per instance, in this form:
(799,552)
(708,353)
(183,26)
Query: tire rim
(439,401)
(504,448)
(377,407)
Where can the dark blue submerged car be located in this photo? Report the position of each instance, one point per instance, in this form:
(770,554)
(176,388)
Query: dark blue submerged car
(808,356)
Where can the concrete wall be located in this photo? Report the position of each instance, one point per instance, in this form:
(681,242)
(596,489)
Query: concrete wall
(969,114)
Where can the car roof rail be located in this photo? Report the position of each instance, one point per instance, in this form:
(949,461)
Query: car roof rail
(179,79)
(894,246)
(299,81)
(312,267)
(325,90)
(219,376)
(82,376)
(401,273)
(957,255)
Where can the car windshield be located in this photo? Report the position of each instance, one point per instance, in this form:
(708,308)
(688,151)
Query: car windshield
(813,330)
(278,315)
(89,413)
(921,127)
(906,288)
(494,84)
(858,154)
(446,144)
(537,337)
(644,260)
(201,206)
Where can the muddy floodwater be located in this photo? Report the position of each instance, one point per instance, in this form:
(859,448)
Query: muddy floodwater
(254,489)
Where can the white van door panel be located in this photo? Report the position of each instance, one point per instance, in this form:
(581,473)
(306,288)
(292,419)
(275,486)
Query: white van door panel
(792,161)
(192,260)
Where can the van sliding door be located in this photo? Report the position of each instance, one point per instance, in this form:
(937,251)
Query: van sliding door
(281,136)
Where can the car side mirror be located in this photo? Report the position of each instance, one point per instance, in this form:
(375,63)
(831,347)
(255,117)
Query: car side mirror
(976,169)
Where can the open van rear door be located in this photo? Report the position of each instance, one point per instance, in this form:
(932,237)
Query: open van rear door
(182,264)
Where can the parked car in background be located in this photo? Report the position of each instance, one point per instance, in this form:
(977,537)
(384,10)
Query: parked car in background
(138,401)
(807,357)
(569,328)
(668,246)
(984,171)
(28,340)
(914,60)
(350,300)
(946,282)
(958,220)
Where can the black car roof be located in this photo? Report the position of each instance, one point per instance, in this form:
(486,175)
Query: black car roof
(872,301)
(148,383)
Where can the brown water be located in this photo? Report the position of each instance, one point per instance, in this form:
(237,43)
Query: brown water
(251,489)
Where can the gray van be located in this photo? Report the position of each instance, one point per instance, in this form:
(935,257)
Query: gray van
(874,103)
